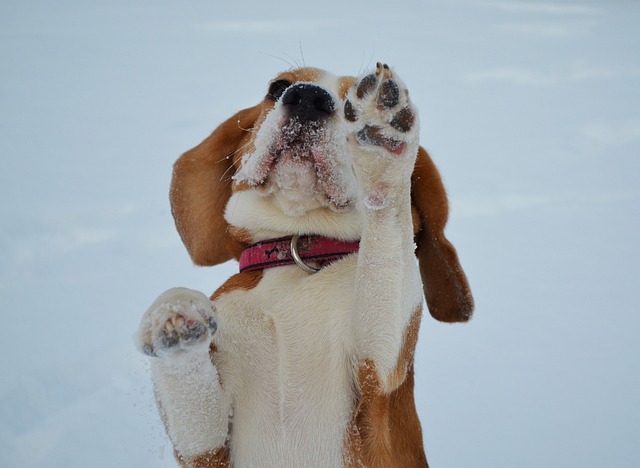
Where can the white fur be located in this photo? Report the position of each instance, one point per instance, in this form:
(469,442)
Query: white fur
(185,381)
(290,348)
(262,216)
(286,350)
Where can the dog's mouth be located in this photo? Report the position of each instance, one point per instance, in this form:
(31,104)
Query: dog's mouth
(300,141)
(302,163)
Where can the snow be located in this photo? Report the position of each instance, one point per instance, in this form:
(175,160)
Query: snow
(529,109)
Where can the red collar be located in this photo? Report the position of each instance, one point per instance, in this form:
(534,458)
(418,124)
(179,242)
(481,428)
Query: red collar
(295,250)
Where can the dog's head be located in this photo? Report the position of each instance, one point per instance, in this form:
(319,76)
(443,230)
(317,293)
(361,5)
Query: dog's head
(296,152)
(291,149)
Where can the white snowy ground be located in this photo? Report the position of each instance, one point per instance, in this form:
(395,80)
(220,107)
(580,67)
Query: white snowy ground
(531,110)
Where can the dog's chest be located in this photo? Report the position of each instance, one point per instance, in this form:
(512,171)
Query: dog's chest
(286,347)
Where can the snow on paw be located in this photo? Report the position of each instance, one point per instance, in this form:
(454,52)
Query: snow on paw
(179,320)
(384,119)
(377,199)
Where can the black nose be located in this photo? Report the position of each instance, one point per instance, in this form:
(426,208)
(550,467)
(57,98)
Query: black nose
(308,102)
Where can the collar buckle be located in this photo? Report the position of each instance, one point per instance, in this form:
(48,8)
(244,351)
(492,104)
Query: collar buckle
(296,256)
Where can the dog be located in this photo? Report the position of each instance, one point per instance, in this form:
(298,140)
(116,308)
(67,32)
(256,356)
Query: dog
(337,216)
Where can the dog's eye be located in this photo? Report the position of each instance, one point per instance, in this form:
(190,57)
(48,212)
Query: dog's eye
(277,88)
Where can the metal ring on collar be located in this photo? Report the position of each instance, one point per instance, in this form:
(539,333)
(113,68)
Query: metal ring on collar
(297,258)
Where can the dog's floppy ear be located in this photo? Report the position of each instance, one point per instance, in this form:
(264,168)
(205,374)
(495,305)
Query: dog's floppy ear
(445,285)
(201,187)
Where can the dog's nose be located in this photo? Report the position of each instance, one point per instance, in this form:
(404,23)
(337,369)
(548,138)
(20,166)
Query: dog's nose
(308,102)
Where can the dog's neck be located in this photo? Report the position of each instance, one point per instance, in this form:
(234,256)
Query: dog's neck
(264,219)
(295,250)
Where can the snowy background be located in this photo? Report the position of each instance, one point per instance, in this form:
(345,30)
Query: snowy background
(530,109)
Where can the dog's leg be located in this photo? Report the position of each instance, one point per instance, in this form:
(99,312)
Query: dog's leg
(176,331)
(384,142)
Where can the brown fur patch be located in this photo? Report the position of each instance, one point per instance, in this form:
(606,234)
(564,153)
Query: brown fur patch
(213,459)
(201,187)
(240,186)
(415,220)
(238,240)
(385,430)
(246,280)
(445,284)
(405,360)
(242,235)
(344,84)
(353,452)
(300,74)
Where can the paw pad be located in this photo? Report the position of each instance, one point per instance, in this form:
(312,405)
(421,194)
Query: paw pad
(389,95)
(403,120)
(382,100)
(349,111)
(373,136)
(178,319)
(367,85)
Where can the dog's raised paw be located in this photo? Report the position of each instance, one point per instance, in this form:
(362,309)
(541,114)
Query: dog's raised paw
(379,106)
(180,319)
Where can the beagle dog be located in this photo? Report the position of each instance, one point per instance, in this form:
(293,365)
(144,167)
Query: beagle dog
(336,215)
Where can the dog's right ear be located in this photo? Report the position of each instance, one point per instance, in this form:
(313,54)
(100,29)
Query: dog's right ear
(201,187)
(445,285)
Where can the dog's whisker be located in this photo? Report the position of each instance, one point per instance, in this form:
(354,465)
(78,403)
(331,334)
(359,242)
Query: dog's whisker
(297,64)
(248,144)
(232,154)
(373,53)
(361,64)
(229,169)
(301,53)
(224,177)
(291,65)
(229,156)
(250,129)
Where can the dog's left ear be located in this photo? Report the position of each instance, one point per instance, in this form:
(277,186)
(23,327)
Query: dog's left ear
(445,285)
(201,187)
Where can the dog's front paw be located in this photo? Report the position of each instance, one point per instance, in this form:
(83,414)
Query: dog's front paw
(384,135)
(180,319)
(384,118)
